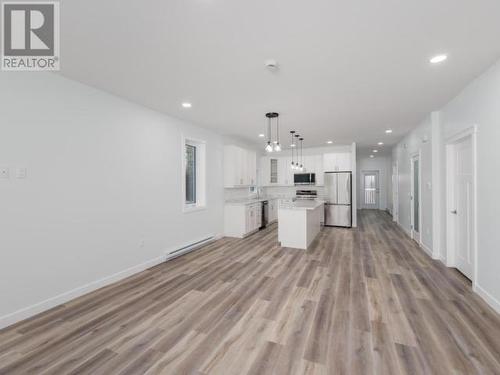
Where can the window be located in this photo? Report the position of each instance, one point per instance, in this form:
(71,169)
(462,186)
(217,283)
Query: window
(274,171)
(370,189)
(190,174)
(193,175)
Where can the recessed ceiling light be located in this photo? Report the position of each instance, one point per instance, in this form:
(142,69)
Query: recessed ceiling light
(187,105)
(292,145)
(380,143)
(372,156)
(261,135)
(329,142)
(388,131)
(375,150)
(437,59)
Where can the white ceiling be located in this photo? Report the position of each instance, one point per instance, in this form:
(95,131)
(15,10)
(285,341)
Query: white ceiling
(348,69)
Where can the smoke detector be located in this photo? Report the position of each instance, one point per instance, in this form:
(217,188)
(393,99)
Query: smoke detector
(271,64)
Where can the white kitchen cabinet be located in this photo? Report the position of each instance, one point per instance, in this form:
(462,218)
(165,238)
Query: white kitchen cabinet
(272,171)
(309,164)
(277,171)
(344,163)
(272,210)
(241,220)
(264,171)
(319,170)
(251,168)
(335,162)
(240,167)
(285,171)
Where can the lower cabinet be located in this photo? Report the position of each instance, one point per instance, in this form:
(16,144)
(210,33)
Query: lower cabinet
(272,210)
(241,220)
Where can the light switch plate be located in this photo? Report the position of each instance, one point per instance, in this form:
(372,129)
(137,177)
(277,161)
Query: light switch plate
(21,172)
(4,172)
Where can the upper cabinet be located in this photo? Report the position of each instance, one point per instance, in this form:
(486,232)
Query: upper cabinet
(240,167)
(337,162)
(275,171)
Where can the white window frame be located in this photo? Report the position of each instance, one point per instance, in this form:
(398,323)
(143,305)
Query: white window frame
(200,174)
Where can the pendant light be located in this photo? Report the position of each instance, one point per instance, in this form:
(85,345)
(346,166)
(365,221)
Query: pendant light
(297,162)
(292,145)
(277,146)
(301,155)
(269,147)
(270,143)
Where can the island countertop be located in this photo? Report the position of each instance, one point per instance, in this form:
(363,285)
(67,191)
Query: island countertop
(301,204)
(299,222)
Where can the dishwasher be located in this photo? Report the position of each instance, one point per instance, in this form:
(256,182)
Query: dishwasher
(265,214)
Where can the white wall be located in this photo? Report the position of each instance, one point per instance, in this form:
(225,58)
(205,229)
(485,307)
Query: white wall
(419,141)
(103,175)
(477,104)
(382,164)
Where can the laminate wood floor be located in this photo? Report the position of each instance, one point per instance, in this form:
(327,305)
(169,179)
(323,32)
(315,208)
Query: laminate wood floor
(361,301)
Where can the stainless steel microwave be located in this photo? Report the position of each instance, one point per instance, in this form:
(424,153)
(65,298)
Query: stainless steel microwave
(304,178)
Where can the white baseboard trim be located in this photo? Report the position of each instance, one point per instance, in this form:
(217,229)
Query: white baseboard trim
(488,298)
(427,250)
(52,302)
(49,303)
(408,233)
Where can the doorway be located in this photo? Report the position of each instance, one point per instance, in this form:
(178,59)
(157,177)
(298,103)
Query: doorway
(461,216)
(371,190)
(415,198)
(395,193)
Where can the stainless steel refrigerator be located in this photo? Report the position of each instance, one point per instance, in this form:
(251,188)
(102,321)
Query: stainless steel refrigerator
(338,194)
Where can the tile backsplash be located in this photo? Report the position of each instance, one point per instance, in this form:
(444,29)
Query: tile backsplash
(238,193)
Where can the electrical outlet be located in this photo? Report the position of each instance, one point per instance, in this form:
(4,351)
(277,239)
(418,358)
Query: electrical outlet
(4,172)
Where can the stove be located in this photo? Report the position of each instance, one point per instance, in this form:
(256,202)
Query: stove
(306,194)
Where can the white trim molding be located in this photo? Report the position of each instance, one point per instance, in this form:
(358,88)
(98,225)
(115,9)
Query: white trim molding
(52,302)
(428,250)
(487,297)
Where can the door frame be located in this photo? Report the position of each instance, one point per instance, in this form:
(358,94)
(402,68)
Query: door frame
(450,196)
(416,155)
(395,192)
(377,189)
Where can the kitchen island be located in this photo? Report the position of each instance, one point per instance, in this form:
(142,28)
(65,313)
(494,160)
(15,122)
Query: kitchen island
(299,222)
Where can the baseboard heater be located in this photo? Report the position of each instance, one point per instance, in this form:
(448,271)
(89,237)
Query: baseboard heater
(191,247)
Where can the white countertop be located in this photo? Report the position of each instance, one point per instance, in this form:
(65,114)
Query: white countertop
(301,205)
(245,201)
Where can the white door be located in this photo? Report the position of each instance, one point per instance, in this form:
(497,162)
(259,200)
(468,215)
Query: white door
(395,193)
(415,198)
(464,193)
(370,190)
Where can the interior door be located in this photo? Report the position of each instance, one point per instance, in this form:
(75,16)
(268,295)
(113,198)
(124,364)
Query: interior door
(415,198)
(395,193)
(370,190)
(464,185)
